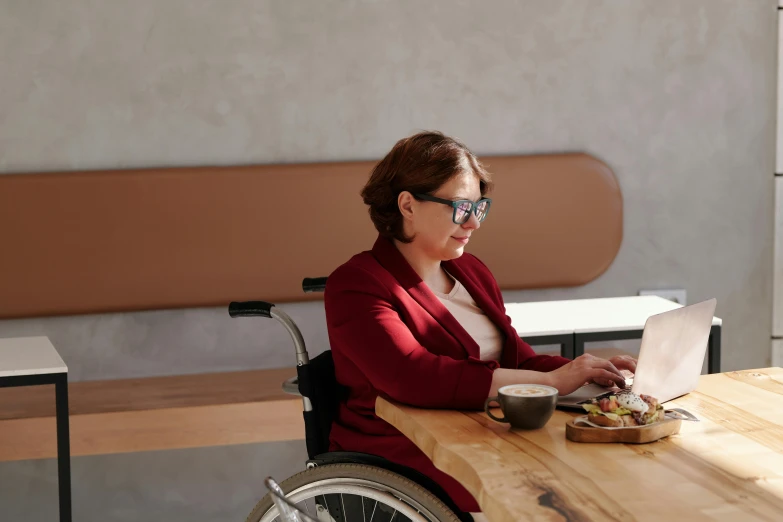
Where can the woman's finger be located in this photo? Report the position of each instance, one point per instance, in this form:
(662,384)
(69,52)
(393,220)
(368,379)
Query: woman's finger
(607,376)
(607,365)
(624,362)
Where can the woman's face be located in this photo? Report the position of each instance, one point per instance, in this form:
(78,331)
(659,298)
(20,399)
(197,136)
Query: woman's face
(436,234)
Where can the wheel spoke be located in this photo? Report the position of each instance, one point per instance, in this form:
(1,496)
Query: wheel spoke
(328,496)
(326,506)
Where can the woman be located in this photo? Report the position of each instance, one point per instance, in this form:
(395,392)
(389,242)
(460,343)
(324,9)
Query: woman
(417,320)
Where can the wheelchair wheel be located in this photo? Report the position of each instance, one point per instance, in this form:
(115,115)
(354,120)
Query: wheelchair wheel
(356,493)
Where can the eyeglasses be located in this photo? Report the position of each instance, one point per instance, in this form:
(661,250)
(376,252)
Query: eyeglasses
(462,207)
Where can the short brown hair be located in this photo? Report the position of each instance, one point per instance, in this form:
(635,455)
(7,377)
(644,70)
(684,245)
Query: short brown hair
(420,163)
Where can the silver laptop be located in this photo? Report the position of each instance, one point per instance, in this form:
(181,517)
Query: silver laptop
(671,358)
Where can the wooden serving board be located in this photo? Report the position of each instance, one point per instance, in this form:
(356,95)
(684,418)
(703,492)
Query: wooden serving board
(631,435)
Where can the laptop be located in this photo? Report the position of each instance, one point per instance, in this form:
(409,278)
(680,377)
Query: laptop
(671,358)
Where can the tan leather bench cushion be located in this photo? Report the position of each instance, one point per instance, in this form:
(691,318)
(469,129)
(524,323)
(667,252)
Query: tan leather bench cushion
(83,242)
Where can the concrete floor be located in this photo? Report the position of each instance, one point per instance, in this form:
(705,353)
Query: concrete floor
(216,484)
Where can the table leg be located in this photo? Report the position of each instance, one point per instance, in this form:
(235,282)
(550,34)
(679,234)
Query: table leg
(63,447)
(568,347)
(713,349)
(579,346)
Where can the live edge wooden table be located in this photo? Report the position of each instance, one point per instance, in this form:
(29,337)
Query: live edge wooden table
(728,466)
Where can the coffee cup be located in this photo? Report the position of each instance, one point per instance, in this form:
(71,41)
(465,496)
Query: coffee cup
(524,406)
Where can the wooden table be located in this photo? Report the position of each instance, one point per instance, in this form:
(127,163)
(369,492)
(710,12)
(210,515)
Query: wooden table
(31,361)
(728,466)
(574,322)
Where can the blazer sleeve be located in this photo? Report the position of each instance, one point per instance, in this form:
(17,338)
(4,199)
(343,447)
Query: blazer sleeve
(365,327)
(526,356)
(539,363)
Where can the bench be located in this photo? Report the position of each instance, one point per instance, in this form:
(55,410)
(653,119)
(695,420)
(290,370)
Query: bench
(153,413)
(205,223)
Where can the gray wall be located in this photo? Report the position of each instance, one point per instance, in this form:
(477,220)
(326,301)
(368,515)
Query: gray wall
(677,97)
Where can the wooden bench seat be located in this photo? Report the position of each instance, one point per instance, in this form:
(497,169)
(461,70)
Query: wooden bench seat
(156,413)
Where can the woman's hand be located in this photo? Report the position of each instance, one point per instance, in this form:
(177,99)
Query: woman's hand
(586,368)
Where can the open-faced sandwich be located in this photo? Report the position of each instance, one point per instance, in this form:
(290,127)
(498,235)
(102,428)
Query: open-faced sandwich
(624,408)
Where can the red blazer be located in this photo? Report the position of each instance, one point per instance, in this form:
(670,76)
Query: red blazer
(391,336)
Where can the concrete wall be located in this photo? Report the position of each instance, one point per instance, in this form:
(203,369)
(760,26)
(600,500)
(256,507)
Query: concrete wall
(677,97)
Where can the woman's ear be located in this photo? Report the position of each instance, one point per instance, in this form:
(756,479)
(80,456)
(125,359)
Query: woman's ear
(406,203)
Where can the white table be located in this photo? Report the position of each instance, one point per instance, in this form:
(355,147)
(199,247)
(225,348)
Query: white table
(573,323)
(31,361)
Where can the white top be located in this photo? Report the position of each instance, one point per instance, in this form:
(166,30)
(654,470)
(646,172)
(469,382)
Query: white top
(610,314)
(29,356)
(473,319)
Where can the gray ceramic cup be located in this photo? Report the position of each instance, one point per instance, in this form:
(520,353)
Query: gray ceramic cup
(524,406)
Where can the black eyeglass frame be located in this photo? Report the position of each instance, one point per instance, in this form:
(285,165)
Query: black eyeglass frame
(474,205)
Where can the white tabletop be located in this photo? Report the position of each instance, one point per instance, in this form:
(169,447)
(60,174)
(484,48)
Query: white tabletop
(29,356)
(609,314)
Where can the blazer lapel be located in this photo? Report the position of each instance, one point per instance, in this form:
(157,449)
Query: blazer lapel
(493,310)
(393,261)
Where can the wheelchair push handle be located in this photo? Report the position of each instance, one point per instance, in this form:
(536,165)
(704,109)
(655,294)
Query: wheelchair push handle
(313,284)
(264,309)
(250,309)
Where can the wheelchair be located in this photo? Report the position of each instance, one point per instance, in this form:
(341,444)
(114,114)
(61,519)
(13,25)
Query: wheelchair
(341,486)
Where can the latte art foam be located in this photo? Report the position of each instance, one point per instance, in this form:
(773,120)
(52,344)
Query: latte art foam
(526,390)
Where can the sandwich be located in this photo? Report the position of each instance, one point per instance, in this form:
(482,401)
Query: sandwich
(624,408)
